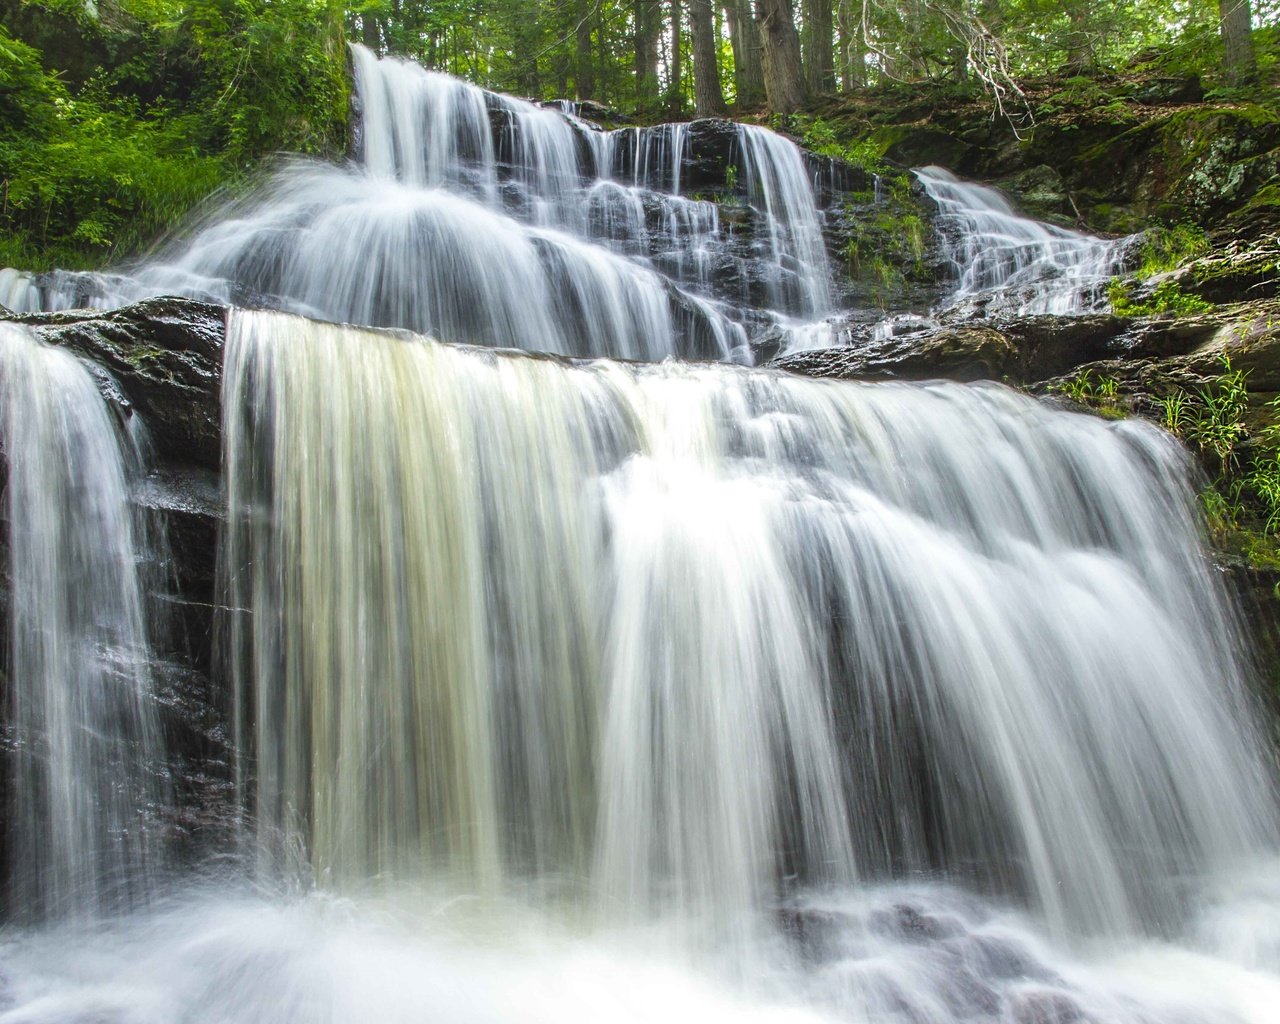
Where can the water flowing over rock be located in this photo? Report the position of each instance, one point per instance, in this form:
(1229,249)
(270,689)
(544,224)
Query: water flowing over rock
(556,689)
(488,220)
(1009,263)
(84,732)
(18,291)
(658,695)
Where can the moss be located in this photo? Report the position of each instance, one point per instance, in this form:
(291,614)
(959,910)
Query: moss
(1168,297)
(887,250)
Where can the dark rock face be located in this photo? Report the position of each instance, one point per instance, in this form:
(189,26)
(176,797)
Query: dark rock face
(963,354)
(1036,351)
(164,359)
(1018,350)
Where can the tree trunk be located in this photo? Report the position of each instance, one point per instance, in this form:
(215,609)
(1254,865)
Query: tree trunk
(370,35)
(648,23)
(584,66)
(853,46)
(819,58)
(1239,64)
(675,93)
(748,73)
(708,97)
(783,81)
(1080,55)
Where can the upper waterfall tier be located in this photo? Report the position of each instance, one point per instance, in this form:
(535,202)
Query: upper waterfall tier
(1012,264)
(485,219)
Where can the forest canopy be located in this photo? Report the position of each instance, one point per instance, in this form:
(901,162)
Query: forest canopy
(117,116)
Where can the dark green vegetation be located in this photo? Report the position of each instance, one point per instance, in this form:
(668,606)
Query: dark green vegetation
(116,120)
(117,116)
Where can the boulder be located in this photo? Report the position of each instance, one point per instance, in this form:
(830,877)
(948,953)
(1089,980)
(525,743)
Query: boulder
(164,360)
(955,353)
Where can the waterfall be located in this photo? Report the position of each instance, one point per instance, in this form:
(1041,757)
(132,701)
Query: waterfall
(85,773)
(686,631)
(485,219)
(18,292)
(592,690)
(1012,263)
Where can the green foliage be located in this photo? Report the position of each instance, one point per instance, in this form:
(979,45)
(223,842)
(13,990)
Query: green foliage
(201,89)
(1168,297)
(270,74)
(1212,418)
(1167,248)
(1098,392)
(1242,501)
(824,138)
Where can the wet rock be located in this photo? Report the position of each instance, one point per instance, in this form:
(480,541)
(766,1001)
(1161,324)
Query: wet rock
(187,504)
(1247,333)
(1165,354)
(1040,192)
(1165,91)
(924,146)
(999,959)
(711,149)
(959,353)
(164,358)
(817,933)
(1240,270)
(1045,1006)
(1045,345)
(911,924)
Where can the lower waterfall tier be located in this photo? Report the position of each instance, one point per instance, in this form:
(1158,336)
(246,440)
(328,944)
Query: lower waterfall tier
(684,637)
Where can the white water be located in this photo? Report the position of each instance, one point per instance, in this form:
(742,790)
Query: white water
(83,731)
(1014,264)
(609,692)
(18,292)
(485,219)
(602,692)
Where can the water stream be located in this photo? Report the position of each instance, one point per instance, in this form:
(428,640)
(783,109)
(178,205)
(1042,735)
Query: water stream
(1011,263)
(485,219)
(607,691)
(84,742)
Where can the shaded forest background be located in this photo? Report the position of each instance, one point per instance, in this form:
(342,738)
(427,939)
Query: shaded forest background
(118,116)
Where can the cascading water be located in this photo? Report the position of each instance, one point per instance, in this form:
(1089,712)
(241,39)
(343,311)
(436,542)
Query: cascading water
(593,691)
(86,744)
(1014,264)
(605,691)
(485,219)
(704,626)
(18,291)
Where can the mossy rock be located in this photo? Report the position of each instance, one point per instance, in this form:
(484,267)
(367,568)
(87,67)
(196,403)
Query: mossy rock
(913,146)
(1204,161)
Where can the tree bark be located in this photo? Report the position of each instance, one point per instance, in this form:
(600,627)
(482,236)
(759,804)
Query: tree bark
(853,47)
(744,35)
(675,88)
(819,56)
(1080,55)
(783,80)
(708,97)
(1239,63)
(648,23)
(584,65)
(369,33)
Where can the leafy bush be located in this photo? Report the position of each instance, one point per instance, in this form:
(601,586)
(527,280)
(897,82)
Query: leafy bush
(199,92)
